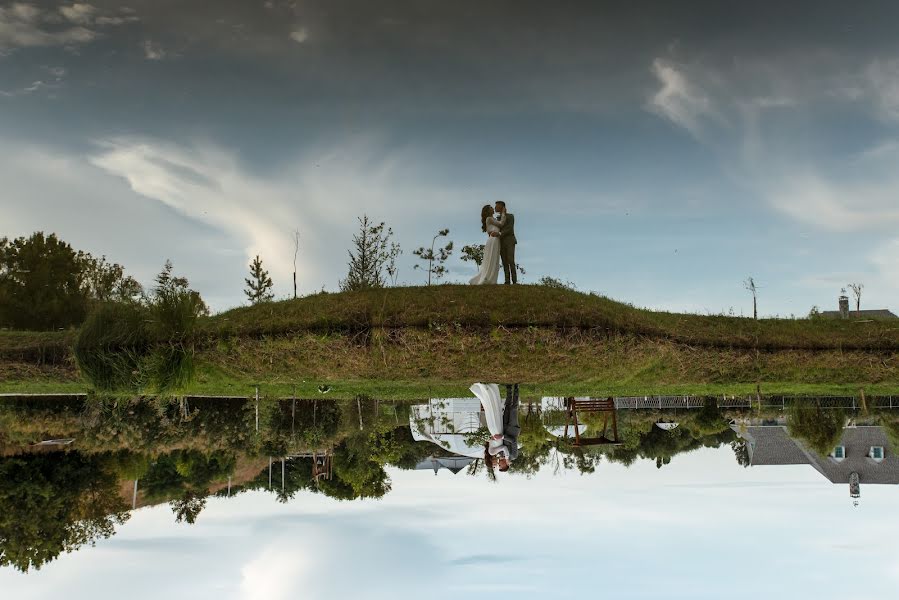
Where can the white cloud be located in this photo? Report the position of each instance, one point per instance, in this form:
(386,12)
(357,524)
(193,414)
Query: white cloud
(81,14)
(882,77)
(153,51)
(299,35)
(320,195)
(885,259)
(24,25)
(21,25)
(836,205)
(678,99)
(116,20)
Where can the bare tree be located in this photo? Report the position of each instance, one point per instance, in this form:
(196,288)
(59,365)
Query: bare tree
(749,284)
(857,292)
(296,250)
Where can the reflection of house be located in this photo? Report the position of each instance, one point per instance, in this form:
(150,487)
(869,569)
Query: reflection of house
(454,464)
(863,452)
(445,422)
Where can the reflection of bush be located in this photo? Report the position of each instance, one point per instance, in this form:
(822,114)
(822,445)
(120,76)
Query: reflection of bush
(299,424)
(54,503)
(153,426)
(820,428)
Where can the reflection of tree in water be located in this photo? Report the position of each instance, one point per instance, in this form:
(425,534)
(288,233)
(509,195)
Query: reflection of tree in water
(54,503)
(184,474)
(741,452)
(820,428)
(189,506)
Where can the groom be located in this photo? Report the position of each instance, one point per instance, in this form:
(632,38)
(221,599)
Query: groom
(507,243)
(511,427)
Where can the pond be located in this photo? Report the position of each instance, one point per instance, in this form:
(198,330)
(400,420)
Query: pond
(315,498)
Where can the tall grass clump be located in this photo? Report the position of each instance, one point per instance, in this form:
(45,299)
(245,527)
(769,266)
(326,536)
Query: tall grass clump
(112,344)
(142,346)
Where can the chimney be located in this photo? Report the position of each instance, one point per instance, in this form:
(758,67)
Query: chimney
(844,306)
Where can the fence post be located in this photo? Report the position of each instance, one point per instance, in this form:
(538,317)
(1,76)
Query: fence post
(257,409)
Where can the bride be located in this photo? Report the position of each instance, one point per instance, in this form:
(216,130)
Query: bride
(493,405)
(489,272)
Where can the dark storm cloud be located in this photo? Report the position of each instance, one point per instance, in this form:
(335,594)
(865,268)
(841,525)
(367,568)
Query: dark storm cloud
(237,119)
(314,67)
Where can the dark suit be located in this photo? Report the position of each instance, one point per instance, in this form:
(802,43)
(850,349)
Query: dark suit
(507,243)
(511,428)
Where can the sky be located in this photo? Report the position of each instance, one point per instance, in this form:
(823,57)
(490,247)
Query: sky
(658,153)
(700,527)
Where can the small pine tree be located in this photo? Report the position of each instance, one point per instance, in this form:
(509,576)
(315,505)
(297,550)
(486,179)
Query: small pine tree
(372,254)
(259,285)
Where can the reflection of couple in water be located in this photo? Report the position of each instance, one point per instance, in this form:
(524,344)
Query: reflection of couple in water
(502,422)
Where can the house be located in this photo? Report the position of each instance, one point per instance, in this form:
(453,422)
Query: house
(845,313)
(864,455)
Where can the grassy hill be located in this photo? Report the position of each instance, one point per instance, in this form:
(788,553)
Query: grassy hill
(408,342)
(539,306)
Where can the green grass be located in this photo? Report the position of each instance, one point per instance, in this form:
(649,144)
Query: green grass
(539,306)
(41,347)
(404,343)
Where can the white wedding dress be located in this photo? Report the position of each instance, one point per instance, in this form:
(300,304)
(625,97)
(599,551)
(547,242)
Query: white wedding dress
(489,273)
(488,394)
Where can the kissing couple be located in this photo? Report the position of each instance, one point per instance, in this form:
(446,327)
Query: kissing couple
(502,423)
(499,225)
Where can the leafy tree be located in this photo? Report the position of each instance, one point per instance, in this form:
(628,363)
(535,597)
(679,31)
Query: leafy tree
(436,259)
(259,284)
(106,281)
(40,283)
(473,254)
(372,255)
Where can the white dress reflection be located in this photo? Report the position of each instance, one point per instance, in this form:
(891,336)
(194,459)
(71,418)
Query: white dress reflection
(493,404)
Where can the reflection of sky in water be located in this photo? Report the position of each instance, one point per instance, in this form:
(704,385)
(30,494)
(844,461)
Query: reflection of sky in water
(701,527)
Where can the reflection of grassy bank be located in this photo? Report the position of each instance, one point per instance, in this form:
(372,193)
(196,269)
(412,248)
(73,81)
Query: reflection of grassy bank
(417,342)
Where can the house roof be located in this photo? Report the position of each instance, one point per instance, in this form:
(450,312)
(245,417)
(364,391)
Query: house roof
(772,445)
(453,464)
(880,313)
